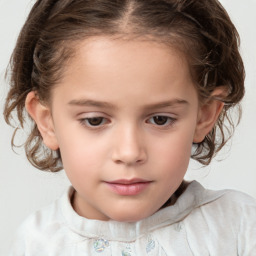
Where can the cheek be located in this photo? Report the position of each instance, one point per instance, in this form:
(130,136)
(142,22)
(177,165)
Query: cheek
(174,152)
(80,154)
(79,150)
(81,162)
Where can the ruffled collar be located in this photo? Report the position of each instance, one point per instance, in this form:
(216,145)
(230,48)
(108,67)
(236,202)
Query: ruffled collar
(194,196)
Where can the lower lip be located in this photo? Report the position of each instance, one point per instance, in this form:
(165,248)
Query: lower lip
(129,189)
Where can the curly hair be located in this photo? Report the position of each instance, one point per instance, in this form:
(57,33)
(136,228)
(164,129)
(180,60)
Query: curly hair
(201,29)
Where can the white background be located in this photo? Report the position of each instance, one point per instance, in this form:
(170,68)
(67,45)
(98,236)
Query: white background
(24,189)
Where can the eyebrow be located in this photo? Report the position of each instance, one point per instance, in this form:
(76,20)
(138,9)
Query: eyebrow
(93,103)
(102,104)
(165,104)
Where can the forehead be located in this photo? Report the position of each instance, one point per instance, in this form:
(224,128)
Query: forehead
(114,68)
(105,53)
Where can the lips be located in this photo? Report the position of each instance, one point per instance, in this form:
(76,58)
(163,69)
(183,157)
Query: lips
(128,187)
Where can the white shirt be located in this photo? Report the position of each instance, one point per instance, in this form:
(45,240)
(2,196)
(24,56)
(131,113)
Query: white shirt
(202,222)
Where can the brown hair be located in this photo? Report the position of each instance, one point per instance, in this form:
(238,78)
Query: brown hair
(201,29)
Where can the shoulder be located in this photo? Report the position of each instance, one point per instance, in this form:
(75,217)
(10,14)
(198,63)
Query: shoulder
(238,210)
(237,197)
(230,205)
(234,203)
(221,200)
(38,229)
(44,218)
(227,216)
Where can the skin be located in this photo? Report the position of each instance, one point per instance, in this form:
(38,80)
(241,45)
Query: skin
(124,110)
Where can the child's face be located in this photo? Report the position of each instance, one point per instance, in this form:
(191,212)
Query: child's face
(124,117)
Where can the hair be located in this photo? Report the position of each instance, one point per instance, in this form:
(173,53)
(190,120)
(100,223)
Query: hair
(201,29)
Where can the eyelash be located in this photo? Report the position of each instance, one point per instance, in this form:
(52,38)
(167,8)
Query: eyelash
(168,121)
(86,121)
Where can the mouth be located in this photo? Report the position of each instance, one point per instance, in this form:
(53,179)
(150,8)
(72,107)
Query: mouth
(128,187)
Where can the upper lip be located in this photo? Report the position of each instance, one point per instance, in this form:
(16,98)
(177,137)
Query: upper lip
(128,181)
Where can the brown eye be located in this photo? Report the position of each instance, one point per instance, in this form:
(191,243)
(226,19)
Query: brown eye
(95,121)
(160,120)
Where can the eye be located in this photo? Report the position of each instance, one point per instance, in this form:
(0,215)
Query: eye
(161,120)
(93,121)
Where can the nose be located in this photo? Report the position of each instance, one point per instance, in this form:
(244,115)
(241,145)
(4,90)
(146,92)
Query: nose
(129,147)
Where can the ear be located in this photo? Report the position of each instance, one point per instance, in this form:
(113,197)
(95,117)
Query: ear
(208,114)
(41,114)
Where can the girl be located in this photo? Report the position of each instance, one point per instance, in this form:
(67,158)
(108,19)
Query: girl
(121,95)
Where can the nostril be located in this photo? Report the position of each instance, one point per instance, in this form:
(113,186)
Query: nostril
(129,157)
(129,147)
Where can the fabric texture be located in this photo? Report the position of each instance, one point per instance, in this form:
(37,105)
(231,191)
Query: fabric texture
(201,222)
